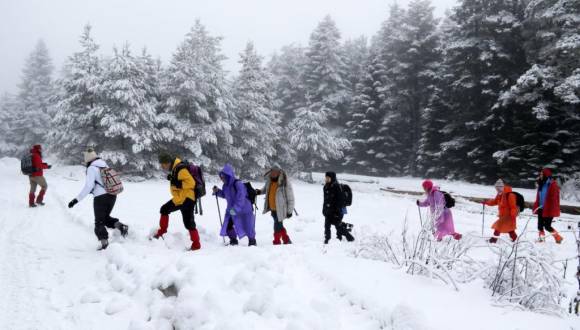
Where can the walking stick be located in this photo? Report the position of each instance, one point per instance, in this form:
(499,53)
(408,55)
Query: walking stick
(220,216)
(482,219)
(420,216)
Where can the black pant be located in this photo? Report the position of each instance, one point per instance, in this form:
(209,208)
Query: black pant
(103,206)
(278,225)
(544,222)
(340,228)
(186,212)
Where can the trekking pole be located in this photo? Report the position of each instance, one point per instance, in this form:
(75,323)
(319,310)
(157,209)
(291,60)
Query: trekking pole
(420,216)
(200,207)
(482,219)
(220,216)
(296,212)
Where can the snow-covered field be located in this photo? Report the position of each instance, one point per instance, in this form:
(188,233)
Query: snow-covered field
(52,277)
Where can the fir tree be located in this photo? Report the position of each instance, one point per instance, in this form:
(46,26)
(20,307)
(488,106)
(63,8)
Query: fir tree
(8,115)
(257,126)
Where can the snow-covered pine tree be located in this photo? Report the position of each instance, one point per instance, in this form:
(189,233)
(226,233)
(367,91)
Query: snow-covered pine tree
(366,118)
(126,131)
(8,114)
(325,73)
(257,126)
(356,53)
(196,119)
(546,98)
(315,131)
(484,57)
(411,70)
(287,70)
(78,102)
(35,90)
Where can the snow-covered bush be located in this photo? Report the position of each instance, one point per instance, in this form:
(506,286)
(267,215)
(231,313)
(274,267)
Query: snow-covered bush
(571,188)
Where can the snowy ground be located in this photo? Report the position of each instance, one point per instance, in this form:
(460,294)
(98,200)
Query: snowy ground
(52,277)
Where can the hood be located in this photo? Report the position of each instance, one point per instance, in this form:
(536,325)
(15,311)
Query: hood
(36,149)
(98,163)
(332,176)
(547,172)
(229,173)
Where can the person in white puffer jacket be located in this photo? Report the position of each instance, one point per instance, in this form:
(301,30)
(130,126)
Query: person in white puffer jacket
(103,202)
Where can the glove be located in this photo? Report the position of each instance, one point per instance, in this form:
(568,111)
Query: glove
(215,189)
(169,177)
(289,215)
(232,212)
(49,167)
(72,203)
(258,192)
(418,202)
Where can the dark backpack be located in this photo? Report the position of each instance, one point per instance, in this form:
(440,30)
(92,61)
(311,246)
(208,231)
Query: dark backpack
(520,202)
(449,200)
(251,192)
(197,174)
(347,192)
(26,165)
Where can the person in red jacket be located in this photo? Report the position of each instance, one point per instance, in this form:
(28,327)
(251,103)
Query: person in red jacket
(37,178)
(547,205)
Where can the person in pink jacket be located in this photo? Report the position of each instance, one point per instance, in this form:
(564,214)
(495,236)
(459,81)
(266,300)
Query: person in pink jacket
(441,215)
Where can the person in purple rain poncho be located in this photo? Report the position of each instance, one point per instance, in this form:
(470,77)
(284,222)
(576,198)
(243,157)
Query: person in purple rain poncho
(443,219)
(239,220)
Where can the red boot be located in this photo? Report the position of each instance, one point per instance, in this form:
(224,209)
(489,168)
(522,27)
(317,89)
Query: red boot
(277,237)
(31,200)
(195,244)
(285,237)
(163,224)
(40,198)
(557,237)
(457,236)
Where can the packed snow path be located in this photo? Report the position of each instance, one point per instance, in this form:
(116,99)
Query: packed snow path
(52,277)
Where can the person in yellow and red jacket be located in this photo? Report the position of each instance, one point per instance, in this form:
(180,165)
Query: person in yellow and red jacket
(183,198)
(508,211)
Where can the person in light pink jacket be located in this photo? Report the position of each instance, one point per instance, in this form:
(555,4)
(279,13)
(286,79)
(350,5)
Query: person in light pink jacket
(441,215)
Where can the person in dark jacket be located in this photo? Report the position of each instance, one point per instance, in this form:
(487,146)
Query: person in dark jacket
(37,178)
(547,205)
(333,208)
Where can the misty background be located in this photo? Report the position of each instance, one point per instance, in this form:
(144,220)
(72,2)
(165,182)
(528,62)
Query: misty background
(161,25)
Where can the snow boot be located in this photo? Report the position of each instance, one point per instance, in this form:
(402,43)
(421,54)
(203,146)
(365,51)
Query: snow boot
(233,241)
(277,237)
(104,244)
(349,237)
(31,200)
(493,240)
(285,237)
(195,244)
(541,237)
(252,242)
(163,224)
(457,236)
(557,237)
(40,198)
(124,229)
(513,236)
(326,240)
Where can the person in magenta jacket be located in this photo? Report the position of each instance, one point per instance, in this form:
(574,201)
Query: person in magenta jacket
(441,215)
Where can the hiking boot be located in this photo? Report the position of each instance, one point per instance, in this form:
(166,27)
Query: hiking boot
(285,237)
(557,237)
(233,241)
(252,242)
(32,205)
(457,236)
(124,229)
(277,238)
(104,244)
(326,240)
(493,240)
(541,237)
(195,243)
(40,203)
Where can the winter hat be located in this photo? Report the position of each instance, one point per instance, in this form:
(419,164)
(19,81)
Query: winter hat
(90,155)
(331,175)
(37,147)
(499,183)
(276,167)
(165,158)
(547,172)
(427,185)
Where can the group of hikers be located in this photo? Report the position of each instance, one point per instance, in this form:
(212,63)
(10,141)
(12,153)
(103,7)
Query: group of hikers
(509,203)
(187,187)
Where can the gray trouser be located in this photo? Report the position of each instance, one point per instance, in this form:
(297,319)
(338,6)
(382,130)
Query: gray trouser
(37,181)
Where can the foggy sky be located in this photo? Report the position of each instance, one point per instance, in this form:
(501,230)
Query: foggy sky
(162,25)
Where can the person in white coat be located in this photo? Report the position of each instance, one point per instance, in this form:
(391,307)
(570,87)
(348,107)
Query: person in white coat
(103,202)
